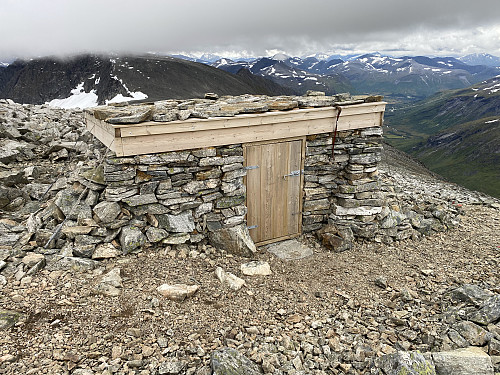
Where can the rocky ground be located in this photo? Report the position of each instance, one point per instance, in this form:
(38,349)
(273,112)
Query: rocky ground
(329,313)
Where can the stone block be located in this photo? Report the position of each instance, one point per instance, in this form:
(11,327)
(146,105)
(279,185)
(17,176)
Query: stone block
(235,240)
(107,211)
(182,223)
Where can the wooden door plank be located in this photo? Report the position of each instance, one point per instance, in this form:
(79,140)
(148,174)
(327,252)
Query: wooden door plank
(294,188)
(253,183)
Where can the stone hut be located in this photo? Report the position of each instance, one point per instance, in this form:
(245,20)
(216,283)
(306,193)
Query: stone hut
(272,168)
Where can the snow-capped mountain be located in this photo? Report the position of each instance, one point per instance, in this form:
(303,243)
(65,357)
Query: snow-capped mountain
(291,72)
(412,77)
(89,80)
(481,59)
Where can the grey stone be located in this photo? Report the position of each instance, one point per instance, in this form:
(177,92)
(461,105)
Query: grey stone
(407,363)
(357,211)
(59,262)
(177,239)
(139,200)
(139,114)
(469,361)
(32,259)
(156,234)
(489,311)
(381,282)
(66,201)
(110,284)
(290,250)
(471,294)
(171,367)
(473,333)
(131,238)
(105,251)
(182,223)
(235,240)
(107,211)
(228,361)
(8,318)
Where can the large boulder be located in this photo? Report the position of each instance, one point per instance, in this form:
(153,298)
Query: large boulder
(228,361)
(235,240)
(468,361)
(471,294)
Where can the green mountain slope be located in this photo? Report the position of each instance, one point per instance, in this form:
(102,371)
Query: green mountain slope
(454,133)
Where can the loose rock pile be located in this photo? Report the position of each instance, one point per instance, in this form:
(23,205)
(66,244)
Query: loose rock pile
(164,310)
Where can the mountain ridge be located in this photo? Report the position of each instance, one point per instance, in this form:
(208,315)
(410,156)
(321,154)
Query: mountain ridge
(106,78)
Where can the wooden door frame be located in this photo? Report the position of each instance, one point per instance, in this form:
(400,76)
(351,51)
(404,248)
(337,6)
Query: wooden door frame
(301,192)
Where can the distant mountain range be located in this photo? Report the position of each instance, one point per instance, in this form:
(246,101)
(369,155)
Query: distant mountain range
(399,79)
(88,80)
(454,133)
(481,59)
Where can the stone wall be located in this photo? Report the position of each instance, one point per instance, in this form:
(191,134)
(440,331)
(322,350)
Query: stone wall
(187,196)
(173,197)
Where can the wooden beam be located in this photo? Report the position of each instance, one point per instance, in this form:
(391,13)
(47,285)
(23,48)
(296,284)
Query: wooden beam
(153,137)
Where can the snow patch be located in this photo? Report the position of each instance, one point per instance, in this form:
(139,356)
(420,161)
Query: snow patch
(492,121)
(78,99)
(135,95)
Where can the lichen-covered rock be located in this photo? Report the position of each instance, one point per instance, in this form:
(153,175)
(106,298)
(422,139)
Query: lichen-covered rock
(489,311)
(471,294)
(131,239)
(8,318)
(405,363)
(228,361)
(107,211)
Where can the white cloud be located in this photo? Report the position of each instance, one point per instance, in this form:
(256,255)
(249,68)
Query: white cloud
(41,27)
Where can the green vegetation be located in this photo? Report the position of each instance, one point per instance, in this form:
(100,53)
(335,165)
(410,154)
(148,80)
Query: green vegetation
(455,134)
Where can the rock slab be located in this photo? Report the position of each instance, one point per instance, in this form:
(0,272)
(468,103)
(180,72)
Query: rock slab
(290,250)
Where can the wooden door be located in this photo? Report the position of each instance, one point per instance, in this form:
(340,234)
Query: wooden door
(274,190)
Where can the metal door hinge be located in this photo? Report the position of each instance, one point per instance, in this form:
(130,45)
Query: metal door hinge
(252,227)
(251,167)
(293,174)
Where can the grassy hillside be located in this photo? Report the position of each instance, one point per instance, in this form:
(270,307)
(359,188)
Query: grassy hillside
(454,133)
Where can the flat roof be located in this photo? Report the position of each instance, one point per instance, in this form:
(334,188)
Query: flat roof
(228,120)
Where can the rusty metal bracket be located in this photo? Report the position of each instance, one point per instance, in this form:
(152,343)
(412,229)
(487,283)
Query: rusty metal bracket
(339,111)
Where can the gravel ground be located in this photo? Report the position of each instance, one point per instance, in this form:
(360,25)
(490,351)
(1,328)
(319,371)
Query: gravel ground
(68,326)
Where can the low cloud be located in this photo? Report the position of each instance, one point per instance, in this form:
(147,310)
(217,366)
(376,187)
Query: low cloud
(43,27)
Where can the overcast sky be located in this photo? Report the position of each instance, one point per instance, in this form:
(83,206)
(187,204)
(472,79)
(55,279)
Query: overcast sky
(30,28)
